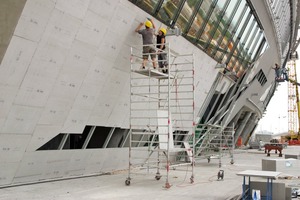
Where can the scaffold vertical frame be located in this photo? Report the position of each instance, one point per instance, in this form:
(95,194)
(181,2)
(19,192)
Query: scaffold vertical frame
(162,116)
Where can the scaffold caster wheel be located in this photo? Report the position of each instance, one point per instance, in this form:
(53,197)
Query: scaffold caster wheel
(192,179)
(127,182)
(158,176)
(232,162)
(167,185)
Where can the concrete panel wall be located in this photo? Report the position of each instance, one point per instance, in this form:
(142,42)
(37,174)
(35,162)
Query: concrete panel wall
(67,66)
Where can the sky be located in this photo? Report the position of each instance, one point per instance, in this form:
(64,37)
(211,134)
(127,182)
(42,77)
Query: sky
(275,118)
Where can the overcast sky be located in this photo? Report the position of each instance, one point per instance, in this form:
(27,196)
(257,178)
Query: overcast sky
(275,118)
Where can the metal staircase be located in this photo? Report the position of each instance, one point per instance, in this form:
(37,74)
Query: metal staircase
(214,142)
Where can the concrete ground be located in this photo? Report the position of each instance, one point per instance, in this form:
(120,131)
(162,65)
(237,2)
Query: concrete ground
(205,186)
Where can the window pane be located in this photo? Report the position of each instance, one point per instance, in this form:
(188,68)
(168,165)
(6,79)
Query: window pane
(230,65)
(245,36)
(227,19)
(264,48)
(250,39)
(237,32)
(256,45)
(241,25)
(168,10)
(186,13)
(227,41)
(240,53)
(147,5)
(199,19)
(237,16)
(240,71)
(215,26)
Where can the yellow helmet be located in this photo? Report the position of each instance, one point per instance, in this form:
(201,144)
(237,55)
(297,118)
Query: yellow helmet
(163,30)
(148,24)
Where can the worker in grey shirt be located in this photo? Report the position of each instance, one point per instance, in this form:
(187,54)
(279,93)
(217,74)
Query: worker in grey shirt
(147,35)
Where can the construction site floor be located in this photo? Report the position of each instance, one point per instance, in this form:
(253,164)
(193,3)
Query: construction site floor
(112,186)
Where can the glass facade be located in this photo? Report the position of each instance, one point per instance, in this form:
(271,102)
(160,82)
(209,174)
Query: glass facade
(227,30)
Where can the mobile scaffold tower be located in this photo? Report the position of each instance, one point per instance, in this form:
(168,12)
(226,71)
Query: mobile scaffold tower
(161,116)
